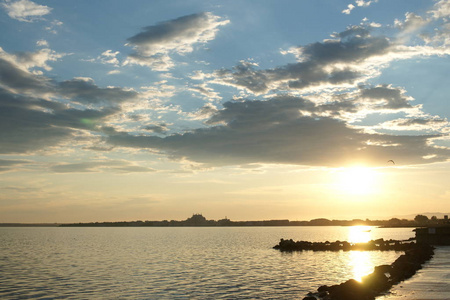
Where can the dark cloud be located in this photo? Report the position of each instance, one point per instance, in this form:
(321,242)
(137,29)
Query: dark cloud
(97,166)
(392,98)
(416,121)
(24,127)
(170,30)
(332,62)
(16,77)
(29,124)
(86,92)
(354,46)
(20,80)
(416,124)
(11,164)
(276,131)
(154,44)
(160,128)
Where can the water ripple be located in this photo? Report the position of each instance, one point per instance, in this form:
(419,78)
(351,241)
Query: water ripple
(171,263)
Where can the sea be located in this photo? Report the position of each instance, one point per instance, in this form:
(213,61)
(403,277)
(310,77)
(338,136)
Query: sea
(180,262)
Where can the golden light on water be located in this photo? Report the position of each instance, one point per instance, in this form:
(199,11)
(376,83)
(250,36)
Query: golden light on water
(360,261)
(359,234)
(361,264)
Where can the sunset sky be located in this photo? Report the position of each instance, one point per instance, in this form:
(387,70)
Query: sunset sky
(152,110)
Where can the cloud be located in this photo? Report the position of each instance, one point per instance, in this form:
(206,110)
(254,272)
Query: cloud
(42,43)
(109,57)
(341,62)
(154,45)
(18,75)
(38,59)
(29,60)
(53,26)
(23,128)
(441,9)
(360,3)
(364,3)
(84,90)
(386,97)
(278,131)
(113,72)
(17,79)
(11,164)
(435,124)
(25,10)
(208,93)
(160,128)
(119,166)
(347,60)
(18,71)
(205,112)
(29,124)
(349,8)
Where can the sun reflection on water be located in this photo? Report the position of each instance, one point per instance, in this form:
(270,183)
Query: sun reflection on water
(361,264)
(360,261)
(359,234)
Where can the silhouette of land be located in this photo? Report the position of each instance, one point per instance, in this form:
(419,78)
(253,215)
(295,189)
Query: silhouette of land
(200,220)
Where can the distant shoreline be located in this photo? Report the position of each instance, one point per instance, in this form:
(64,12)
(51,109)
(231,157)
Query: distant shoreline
(104,225)
(197,220)
(30,224)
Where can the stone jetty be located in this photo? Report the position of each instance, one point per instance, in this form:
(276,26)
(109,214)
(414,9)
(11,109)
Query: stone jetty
(380,280)
(379,244)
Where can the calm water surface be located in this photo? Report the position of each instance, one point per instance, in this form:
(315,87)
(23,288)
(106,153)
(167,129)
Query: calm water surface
(178,263)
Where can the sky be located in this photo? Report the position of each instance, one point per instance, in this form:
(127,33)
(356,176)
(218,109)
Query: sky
(252,110)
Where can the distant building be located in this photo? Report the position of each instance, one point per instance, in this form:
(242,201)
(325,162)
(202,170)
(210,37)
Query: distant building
(437,235)
(196,220)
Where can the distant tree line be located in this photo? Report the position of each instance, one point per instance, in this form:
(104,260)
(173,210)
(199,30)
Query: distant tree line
(199,220)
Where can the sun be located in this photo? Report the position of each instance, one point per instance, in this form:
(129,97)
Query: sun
(357,180)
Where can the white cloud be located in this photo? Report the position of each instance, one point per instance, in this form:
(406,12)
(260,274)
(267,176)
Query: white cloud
(53,26)
(109,57)
(42,43)
(364,3)
(154,45)
(27,61)
(347,11)
(360,3)
(442,9)
(25,10)
(208,93)
(113,72)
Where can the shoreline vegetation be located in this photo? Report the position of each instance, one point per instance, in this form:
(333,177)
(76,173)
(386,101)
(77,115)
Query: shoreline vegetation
(198,220)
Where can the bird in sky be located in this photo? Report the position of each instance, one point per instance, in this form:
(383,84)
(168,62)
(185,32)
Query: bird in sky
(391,161)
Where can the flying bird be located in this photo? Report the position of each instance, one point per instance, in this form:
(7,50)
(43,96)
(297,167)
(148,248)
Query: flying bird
(391,161)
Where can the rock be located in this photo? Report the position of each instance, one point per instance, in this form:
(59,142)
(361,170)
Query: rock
(323,288)
(382,278)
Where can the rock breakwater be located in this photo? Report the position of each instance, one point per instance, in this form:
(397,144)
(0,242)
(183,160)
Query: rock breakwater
(380,280)
(379,244)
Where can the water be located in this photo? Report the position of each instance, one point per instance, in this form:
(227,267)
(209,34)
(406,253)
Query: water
(178,263)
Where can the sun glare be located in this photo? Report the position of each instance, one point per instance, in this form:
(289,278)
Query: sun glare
(359,234)
(357,180)
(360,261)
